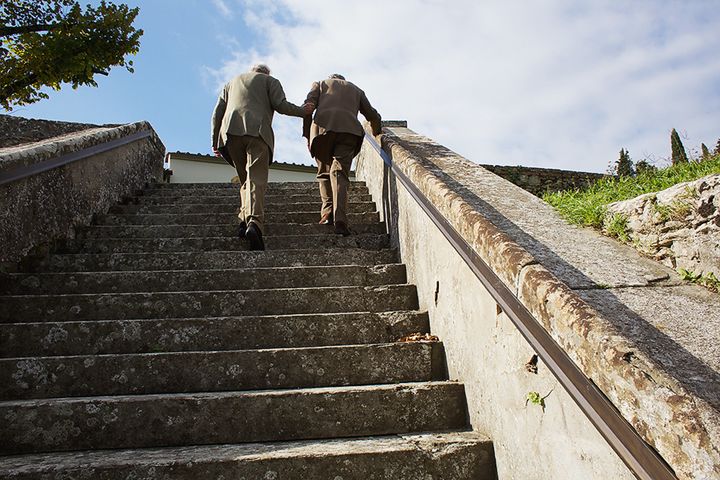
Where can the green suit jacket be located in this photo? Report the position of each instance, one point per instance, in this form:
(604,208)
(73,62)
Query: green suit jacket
(246,106)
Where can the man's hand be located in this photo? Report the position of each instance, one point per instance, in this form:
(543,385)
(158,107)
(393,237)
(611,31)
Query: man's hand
(216,152)
(309,108)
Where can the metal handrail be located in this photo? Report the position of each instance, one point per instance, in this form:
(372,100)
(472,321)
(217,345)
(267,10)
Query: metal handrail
(637,454)
(49,164)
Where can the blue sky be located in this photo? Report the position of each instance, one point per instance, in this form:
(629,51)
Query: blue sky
(549,83)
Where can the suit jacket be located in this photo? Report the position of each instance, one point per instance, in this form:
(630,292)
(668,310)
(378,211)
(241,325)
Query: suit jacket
(246,106)
(337,105)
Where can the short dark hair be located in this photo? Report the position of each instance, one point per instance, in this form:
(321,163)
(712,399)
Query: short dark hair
(337,76)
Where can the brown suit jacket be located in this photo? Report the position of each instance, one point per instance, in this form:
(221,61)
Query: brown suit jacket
(246,106)
(337,105)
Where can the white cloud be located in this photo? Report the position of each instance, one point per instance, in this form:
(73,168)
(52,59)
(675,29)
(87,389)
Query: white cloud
(223,8)
(557,83)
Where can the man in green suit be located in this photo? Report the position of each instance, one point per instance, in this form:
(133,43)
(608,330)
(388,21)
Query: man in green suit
(334,138)
(242,134)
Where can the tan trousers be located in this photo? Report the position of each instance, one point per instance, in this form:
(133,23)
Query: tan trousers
(251,156)
(334,173)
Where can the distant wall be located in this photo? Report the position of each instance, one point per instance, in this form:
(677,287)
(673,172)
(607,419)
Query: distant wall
(192,171)
(197,168)
(540,180)
(49,205)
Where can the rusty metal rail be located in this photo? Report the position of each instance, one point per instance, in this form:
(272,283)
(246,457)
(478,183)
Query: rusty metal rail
(19,173)
(637,454)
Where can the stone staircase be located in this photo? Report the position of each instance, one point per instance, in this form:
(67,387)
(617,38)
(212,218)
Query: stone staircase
(156,346)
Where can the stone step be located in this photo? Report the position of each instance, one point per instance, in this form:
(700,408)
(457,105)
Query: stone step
(186,372)
(232,207)
(271,200)
(271,185)
(446,456)
(297,190)
(193,280)
(366,241)
(280,301)
(97,262)
(207,333)
(137,421)
(224,218)
(192,231)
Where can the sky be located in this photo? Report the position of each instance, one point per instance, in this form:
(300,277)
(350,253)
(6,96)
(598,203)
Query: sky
(546,83)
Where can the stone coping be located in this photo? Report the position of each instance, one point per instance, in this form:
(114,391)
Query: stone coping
(31,153)
(647,340)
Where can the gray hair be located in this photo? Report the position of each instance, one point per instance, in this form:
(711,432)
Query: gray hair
(260,68)
(337,76)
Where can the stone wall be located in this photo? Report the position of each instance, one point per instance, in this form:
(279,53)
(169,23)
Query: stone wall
(47,206)
(541,180)
(679,226)
(18,130)
(628,323)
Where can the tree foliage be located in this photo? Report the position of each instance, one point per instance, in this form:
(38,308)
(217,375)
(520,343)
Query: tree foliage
(705,151)
(678,150)
(643,167)
(45,43)
(717,148)
(624,165)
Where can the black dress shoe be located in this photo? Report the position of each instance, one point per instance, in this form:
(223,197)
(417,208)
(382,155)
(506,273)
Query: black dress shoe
(326,219)
(241,229)
(254,235)
(342,229)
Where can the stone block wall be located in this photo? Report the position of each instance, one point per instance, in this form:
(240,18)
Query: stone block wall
(679,226)
(541,180)
(48,206)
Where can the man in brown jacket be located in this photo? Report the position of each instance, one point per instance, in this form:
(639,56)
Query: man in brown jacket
(242,134)
(334,138)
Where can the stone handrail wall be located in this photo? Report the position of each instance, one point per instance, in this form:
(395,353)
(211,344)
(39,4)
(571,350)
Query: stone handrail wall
(18,130)
(41,208)
(541,180)
(487,353)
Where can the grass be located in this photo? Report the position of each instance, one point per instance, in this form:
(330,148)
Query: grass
(616,226)
(588,206)
(708,280)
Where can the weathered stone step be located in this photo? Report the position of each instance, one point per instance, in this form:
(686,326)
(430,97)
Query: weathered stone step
(223,218)
(271,200)
(207,333)
(121,306)
(232,208)
(298,190)
(446,456)
(192,231)
(185,372)
(189,280)
(366,241)
(97,262)
(229,417)
(272,186)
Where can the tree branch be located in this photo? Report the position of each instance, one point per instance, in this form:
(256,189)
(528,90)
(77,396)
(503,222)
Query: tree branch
(6,31)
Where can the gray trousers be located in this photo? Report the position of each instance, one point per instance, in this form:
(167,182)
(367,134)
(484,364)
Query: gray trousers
(251,156)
